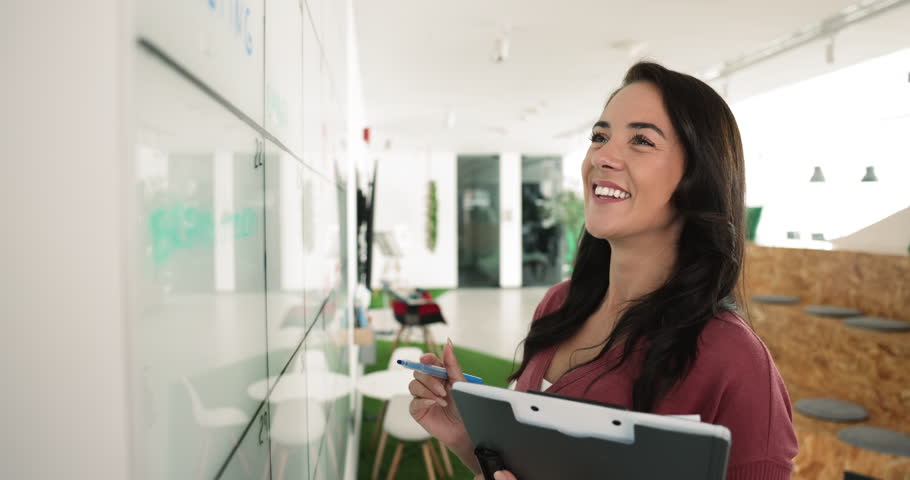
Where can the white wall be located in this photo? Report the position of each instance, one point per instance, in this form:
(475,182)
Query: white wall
(510,248)
(62,337)
(401,206)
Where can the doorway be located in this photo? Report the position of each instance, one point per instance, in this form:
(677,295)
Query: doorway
(541,234)
(478,221)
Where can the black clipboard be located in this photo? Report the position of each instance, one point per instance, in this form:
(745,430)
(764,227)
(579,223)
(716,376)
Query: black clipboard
(545,437)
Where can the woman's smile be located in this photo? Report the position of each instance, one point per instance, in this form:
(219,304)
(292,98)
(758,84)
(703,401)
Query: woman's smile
(605,192)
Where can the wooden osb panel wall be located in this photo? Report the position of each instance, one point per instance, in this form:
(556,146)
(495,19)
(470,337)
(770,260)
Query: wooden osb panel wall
(876,284)
(822,357)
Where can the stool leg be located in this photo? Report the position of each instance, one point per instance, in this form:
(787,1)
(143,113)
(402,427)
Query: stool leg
(445,458)
(395,460)
(265,469)
(243,461)
(378,461)
(437,464)
(282,463)
(205,454)
(427,461)
(379,420)
(397,338)
(428,341)
(330,448)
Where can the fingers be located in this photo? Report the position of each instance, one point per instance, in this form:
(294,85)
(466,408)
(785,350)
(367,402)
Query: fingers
(419,407)
(504,475)
(451,363)
(433,384)
(419,390)
(430,359)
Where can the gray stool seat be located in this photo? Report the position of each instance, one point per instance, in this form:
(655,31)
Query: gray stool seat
(877,439)
(878,323)
(832,311)
(831,409)
(776,299)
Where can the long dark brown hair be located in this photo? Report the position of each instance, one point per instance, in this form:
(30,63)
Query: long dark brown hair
(666,323)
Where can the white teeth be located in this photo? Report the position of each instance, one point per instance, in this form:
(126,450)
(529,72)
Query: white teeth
(610,192)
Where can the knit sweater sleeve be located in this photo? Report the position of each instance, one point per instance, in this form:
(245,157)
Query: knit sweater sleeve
(751,400)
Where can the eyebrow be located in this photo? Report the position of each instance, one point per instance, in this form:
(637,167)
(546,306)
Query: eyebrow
(634,125)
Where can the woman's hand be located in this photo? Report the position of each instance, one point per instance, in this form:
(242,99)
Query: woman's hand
(499,475)
(432,406)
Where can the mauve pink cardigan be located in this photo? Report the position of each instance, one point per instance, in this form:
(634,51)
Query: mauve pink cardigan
(733,383)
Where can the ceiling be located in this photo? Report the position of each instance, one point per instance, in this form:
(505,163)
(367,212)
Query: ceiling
(421,59)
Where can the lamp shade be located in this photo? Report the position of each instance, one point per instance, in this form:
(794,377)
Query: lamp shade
(870,175)
(817,175)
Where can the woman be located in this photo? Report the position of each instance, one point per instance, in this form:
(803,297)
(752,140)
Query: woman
(647,320)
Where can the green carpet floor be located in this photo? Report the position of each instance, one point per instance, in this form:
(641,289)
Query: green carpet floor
(493,371)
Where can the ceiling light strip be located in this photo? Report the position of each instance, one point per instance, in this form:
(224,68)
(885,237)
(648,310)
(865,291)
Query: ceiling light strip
(825,28)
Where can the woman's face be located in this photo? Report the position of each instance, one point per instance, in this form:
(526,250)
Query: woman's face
(632,167)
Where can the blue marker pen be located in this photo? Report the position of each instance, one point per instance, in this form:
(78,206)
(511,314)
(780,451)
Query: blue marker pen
(435,371)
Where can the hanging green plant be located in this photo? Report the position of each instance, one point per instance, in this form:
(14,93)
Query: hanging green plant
(432,207)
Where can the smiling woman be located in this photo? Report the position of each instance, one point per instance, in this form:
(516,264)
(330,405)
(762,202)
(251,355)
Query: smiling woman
(648,319)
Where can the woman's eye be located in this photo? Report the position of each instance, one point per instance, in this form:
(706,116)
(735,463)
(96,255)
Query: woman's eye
(642,140)
(598,138)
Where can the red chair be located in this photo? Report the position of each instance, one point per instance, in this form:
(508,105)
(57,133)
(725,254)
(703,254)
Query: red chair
(415,313)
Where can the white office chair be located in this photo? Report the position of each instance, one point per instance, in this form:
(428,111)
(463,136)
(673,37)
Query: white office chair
(214,418)
(309,361)
(400,425)
(400,353)
(298,423)
(413,354)
(315,361)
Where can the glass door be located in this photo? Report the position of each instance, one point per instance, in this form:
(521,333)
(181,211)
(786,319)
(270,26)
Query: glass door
(478,221)
(541,233)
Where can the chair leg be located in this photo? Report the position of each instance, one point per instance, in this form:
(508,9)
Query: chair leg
(395,460)
(330,447)
(445,458)
(200,467)
(397,338)
(265,469)
(243,460)
(437,464)
(379,420)
(378,461)
(428,340)
(282,463)
(427,461)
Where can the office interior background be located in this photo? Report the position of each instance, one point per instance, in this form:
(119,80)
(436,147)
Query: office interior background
(183,249)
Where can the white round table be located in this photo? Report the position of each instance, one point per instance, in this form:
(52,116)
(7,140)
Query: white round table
(385,384)
(319,386)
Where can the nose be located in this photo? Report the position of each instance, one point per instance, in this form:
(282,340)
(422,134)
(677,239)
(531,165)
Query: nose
(606,157)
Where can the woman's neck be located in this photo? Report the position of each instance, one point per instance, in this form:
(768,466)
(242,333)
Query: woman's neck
(638,267)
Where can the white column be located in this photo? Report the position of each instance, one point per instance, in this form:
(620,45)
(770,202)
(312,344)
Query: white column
(510,219)
(63,334)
